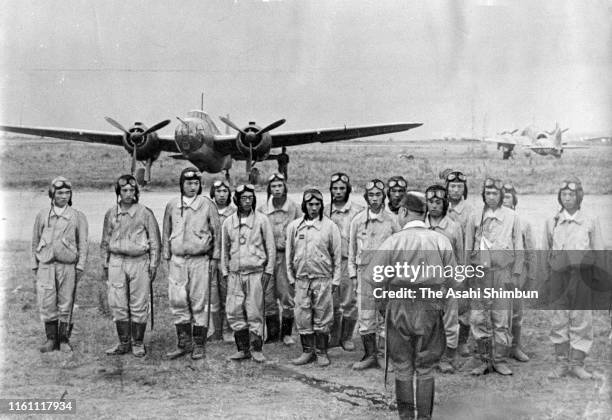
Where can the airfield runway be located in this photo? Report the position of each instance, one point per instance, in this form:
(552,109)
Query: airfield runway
(20,208)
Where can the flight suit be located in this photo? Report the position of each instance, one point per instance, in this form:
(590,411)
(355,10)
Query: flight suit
(566,236)
(493,240)
(279,286)
(221,318)
(345,298)
(130,245)
(452,230)
(59,248)
(415,328)
(248,251)
(368,231)
(460,213)
(190,240)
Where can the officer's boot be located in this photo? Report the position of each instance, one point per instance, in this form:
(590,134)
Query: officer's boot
(308,350)
(425,389)
(257,343)
(336,331)
(576,365)
(322,341)
(286,330)
(464,334)
(184,342)
(272,328)
(199,342)
(65,330)
(52,333)
(404,395)
(447,361)
(483,357)
(217,321)
(125,345)
(242,344)
(369,359)
(138,333)
(348,326)
(561,367)
(516,352)
(500,363)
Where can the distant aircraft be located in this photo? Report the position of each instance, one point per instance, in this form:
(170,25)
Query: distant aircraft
(198,140)
(532,140)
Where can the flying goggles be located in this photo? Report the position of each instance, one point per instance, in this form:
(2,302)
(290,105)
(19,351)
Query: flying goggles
(397,182)
(62,184)
(375,184)
(309,195)
(493,183)
(453,176)
(247,187)
(435,193)
(276,176)
(220,182)
(340,177)
(123,182)
(192,175)
(572,186)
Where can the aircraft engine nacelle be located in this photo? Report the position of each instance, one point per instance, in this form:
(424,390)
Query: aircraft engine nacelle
(251,141)
(147,147)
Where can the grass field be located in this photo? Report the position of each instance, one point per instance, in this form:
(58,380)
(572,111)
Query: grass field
(126,387)
(31,163)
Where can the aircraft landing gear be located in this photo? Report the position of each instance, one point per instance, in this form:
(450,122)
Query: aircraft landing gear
(254,176)
(227,176)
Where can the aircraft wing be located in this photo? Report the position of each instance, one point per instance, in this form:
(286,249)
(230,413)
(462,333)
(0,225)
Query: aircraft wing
(509,140)
(102,137)
(227,143)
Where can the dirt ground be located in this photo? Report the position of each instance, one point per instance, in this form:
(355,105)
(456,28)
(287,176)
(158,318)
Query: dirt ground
(126,387)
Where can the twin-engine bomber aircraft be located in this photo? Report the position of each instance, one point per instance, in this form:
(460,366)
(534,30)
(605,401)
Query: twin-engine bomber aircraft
(198,140)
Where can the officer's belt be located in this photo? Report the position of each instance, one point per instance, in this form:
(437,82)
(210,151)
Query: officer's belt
(114,255)
(179,259)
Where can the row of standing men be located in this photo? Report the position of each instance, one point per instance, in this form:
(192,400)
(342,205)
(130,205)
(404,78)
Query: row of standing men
(258,271)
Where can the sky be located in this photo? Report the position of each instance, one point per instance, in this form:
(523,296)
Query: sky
(459,67)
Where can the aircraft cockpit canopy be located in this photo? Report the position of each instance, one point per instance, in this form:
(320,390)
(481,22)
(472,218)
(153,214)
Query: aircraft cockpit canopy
(199,114)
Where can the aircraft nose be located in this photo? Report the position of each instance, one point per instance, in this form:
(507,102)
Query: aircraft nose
(186,137)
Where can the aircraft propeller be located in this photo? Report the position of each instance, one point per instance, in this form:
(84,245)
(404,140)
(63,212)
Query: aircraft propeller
(134,138)
(252,137)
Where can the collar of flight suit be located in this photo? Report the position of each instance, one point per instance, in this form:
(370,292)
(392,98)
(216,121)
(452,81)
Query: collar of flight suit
(413,224)
(195,204)
(344,209)
(442,225)
(226,211)
(246,221)
(131,210)
(565,217)
(269,206)
(374,216)
(304,224)
(499,213)
(459,207)
(66,214)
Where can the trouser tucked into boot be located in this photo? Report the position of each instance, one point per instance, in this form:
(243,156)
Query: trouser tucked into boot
(335,334)
(404,395)
(272,328)
(138,332)
(561,366)
(516,351)
(286,330)
(199,340)
(500,363)
(483,359)
(576,365)
(308,350)
(184,341)
(464,335)
(322,340)
(243,345)
(257,343)
(65,330)
(425,389)
(346,338)
(369,359)
(447,361)
(52,333)
(124,346)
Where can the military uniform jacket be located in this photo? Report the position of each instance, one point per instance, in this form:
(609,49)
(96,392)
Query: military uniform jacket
(196,232)
(368,231)
(226,212)
(451,229)
(133,232)
(495,240)
(313,250)
(59,238)
(342,218)
(248,244)
(280,219)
